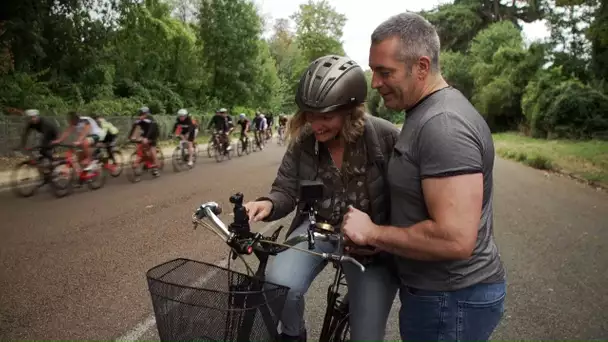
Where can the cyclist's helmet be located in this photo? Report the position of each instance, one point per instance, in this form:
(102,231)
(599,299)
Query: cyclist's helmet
(331,82)
(32,112)
(182,113)
(222,110)
(242,116)
(144,111)
(262,116)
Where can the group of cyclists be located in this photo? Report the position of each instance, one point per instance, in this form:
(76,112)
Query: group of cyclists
(93,132)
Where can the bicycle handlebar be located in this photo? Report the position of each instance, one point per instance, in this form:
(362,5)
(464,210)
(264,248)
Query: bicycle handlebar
(253,241)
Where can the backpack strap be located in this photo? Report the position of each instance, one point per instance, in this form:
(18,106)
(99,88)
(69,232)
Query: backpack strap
(375,153)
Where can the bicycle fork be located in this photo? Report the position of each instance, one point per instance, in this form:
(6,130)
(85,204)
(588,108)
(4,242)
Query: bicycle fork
(334,307)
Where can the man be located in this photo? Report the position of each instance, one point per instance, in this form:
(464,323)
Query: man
(244,123)
(110,132)
(269,121)
(185,127)
(223,124)
(149,135)
(440,180)
(89,134)
(44,126)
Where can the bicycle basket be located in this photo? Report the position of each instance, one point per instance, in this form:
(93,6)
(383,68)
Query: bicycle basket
(197,301)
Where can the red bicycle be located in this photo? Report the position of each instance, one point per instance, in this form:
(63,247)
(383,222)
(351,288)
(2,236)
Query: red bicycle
(94,175)
(141,160)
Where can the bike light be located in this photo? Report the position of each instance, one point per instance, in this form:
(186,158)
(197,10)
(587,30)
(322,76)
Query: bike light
(249,249)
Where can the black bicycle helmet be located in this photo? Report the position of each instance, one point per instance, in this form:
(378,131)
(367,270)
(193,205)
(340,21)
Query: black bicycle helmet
(329,83)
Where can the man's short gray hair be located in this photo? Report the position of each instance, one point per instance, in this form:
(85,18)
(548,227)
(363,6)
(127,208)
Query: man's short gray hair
(418,37)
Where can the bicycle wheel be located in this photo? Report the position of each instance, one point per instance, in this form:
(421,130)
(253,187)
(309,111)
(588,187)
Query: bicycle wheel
(218,153)
(177,159)
(341,331)
(161,158)
(194,300)
(62,178)
(31,170)
(134,172)
(97,178)
(240,150)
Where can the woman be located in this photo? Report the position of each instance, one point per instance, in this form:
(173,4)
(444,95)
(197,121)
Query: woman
(332,139)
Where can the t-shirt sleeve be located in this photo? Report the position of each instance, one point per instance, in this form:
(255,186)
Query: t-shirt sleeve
(448,146)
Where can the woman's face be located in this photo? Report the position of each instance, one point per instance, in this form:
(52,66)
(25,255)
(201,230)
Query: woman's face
(326,126)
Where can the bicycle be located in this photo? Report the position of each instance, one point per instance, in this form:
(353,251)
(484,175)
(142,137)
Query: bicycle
(95,178)
(142,156)
(243,146)
(41,166)
(181,155)
(221,149)
(259,141)
(113,166)
(248,306)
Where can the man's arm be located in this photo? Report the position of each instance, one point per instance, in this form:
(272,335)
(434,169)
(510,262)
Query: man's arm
(65,133)
(84,133)
(450,160)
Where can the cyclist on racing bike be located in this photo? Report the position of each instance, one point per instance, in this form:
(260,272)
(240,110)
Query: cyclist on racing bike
(185,127)
(282,125)
(46,127)
(111,134)
(222,124)
(149,134)
(270,121)
(244,123)
(89,134)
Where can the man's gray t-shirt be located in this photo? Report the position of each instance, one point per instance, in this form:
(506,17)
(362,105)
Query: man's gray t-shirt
(443,135)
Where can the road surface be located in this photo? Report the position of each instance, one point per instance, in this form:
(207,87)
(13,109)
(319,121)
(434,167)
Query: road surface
(74,268)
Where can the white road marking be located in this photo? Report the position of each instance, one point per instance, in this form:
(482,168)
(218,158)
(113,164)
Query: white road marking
(144,326)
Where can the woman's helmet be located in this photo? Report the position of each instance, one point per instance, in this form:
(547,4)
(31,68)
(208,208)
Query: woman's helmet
(329,83)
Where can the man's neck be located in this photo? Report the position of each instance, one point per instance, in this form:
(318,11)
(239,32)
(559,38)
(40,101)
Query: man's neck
(435,83)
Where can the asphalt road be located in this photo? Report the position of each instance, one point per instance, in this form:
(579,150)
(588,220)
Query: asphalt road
(74,268)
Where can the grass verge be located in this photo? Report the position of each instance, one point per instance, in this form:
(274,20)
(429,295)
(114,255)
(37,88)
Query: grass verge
(585,160)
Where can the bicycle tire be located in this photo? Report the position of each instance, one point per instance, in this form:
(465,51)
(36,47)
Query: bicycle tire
(61,190)
(218,154)
(177,159)
(101,177)
(341,332)
(239,148)
(14,185)
(160,157)
(134,173)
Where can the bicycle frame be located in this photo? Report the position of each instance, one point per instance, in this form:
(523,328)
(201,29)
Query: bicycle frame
(143,154)
(242,241)
(83,175)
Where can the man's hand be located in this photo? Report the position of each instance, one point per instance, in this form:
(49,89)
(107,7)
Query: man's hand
(77,143)
(358,227)
(144,141)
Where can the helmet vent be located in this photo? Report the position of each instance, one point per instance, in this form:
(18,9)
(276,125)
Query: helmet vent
(327,64)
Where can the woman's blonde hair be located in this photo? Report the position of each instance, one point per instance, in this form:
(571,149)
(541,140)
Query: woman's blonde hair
(354,122)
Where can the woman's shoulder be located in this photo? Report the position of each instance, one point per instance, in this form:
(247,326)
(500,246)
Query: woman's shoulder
(382,126)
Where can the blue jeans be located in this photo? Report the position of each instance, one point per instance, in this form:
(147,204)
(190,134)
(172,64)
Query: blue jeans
(469,314)
(371,294)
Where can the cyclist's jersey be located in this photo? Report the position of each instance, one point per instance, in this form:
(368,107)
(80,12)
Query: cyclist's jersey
(108,128)
(243,123)
(270,119)
(257,123)
(283,122)
(264,124)
(44,126)
(219,123)
(185,126)
(147,126)
(230,123)
(95,129)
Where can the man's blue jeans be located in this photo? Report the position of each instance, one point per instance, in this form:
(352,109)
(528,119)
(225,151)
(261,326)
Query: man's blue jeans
(469,314)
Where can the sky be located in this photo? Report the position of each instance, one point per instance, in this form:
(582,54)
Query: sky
(364,15)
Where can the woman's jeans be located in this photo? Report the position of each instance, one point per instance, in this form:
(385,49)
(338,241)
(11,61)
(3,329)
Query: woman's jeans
(370,294)
(469,314)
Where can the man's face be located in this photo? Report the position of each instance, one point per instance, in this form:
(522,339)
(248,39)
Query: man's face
(182,118)
(399,85)
(34,119)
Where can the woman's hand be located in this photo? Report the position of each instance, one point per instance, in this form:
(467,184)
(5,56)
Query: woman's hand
(258,210)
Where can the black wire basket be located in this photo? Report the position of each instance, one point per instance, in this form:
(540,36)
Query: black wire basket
(197,301)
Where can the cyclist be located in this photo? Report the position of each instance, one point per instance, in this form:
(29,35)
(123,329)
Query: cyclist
(324,128)
(257,126)
(110,132)
(220,124)
(149,135)
(44,126)
(185,127)
(270,120)
(282,125)
(244,123)
(89,134)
